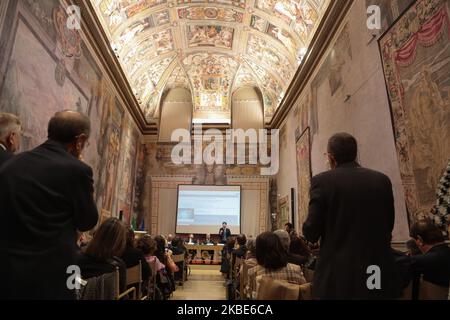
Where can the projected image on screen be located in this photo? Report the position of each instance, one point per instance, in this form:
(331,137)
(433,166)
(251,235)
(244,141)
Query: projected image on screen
(202,209)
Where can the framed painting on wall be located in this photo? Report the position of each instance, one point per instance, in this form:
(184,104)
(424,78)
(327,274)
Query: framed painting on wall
(416,64)
(304,175)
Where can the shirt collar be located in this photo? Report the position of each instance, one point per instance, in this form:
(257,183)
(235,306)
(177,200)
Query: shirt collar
(2,146)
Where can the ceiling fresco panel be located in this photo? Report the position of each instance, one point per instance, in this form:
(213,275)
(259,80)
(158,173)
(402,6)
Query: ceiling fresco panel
(211,47)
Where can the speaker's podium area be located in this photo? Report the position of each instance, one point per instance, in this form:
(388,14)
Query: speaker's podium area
(228,150)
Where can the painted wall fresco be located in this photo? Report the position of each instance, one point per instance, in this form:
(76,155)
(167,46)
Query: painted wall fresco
(127,179)
(346,93)
(303,152)
(60,74)
(416,57)
(390,10)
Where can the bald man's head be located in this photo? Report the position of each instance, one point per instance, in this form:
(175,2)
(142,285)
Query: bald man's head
(66,126)
(72,129)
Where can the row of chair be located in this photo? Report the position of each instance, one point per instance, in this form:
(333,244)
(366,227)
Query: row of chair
(107,286)
(270,289)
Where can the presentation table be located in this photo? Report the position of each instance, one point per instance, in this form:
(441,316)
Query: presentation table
(202,252)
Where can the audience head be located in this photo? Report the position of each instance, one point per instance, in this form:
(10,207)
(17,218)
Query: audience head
(169,238)
(299,247)
(289,227)
(342,148)
(109,240)
(10,128)
(251,249)
(284,238)
(293,234)
(83,240)
(412,247)
(426,234)
(241,240)
(72,129)
(270,253)
(231,241)
(130,237)
(147,245)
(177,242)
(160,247)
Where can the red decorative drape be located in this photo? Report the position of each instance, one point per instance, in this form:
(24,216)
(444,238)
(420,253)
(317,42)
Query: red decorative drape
(427,36)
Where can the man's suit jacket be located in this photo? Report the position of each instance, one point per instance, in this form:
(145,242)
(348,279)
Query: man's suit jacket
(46,195)
(434,265)
(351,211)
(4,156)
(227,234)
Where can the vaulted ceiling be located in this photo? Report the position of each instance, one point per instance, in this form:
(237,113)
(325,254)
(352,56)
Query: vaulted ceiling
(211,47)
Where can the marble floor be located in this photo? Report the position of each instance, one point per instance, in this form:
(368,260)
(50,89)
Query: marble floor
(205,283)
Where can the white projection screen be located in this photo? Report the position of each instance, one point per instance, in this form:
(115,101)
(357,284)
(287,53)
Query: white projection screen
(202,209)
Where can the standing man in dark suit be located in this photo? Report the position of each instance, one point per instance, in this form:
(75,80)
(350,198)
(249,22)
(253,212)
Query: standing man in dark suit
(46,195)
(224,233)
(351,212)
(9,136)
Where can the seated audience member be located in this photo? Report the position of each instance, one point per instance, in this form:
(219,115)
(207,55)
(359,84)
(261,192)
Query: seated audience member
(403,266)
(300,250)
(286,241)
(161,252)
(413,249)
(177,249)
(434,263)
(148,247)
(103,252)
(273,262)
(226,255)
(163,255)
(46,195)
(250,258)
(241,250)
(83,240)
(169,241)
(178,246)
(10,127)
(250,262)
(289,228)
(132,256)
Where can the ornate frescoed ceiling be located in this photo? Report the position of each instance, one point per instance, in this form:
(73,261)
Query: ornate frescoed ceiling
(211,47)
